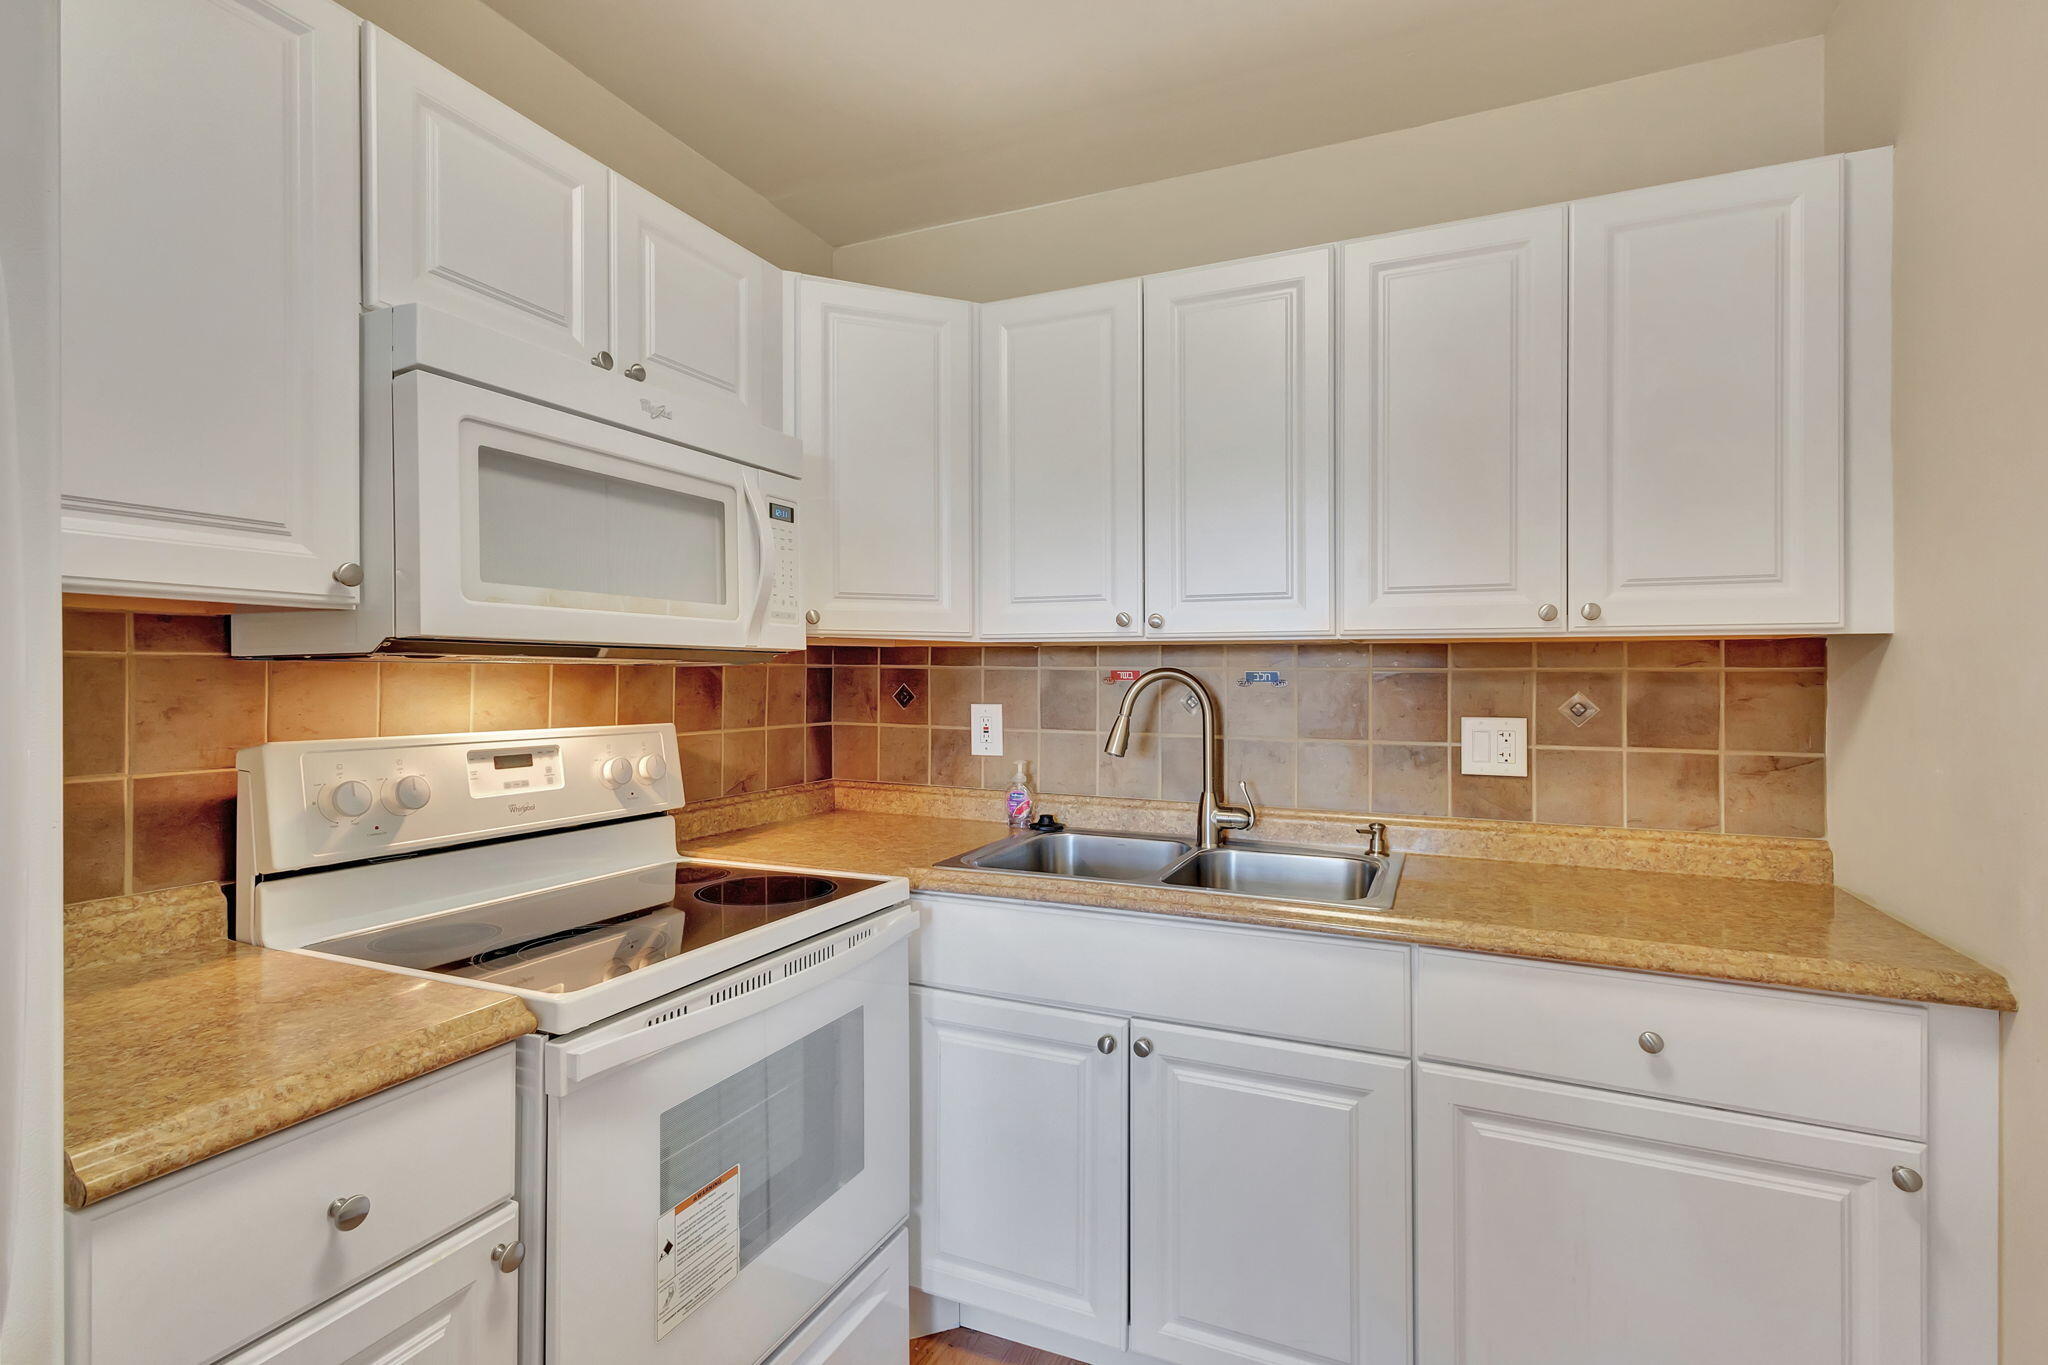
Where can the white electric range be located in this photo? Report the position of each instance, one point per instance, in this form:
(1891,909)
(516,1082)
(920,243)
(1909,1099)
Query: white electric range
(714,1116)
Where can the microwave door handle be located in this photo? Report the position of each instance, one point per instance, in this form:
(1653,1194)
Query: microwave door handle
(764,583)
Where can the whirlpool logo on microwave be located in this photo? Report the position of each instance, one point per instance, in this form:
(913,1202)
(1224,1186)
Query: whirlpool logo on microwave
(520,807)
(653,409)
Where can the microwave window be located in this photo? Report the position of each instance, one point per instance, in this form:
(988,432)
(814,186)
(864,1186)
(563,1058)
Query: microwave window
(548,526)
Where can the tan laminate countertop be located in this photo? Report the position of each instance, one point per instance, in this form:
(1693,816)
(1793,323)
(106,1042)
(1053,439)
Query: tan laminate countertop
(179,1054)
(1768,933)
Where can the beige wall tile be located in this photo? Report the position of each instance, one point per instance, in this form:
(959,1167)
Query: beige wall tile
(647,693)
(189,712)
(817,752)
(104,632)
(785,756)
(1114,656)
(1260,711)
(1180,768)
(1481,796)
(954,763)
(181,634)
(817,696)
(1674,654)
(912,655)
(1492,654)
(904,754)
(415,697)
(95,839)
(95,714)
(1259,656)
(1674,710)
(1395,654)
(584,694)
(1335,777)
(508,696)
(703,765)
(700,697)
(325,699)
(184,830)
(1018,746)
(854,751)
(786,694)
(1674,791)
(746,696)
(1776,794)
(1506,692)
(1799,653)
(955,656)
(1333,703)
(1334,654)
(1411,706)
(1555,688)
(1581,654)
(1194,656)
(1066,764)
(1577,786)
(863,656)
(1009,656)
(854,691)
(1016,691)
(1135,775)
(1066,698)
(1411,779)
(1266,764)
(953,691)
(743,762)
(915,681)
(1779,713)
(1067,656)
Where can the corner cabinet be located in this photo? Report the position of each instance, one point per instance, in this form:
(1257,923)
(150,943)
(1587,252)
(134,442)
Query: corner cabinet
(885,411)
(1238,523)
(1062,524)
(210,274)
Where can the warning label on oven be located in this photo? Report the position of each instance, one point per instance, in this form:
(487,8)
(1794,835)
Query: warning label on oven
(697,1250)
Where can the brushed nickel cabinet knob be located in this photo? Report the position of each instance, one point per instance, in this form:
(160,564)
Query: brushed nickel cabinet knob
(603,360)
(349,575)
(1106,1044)
(1652,1043)
(509,1256)
(1142,1048)
(810,618)
(348,1214)
(1907,1179)
(1155,620)
(1123,618)
(1547,612)
(635,371)
(1591,611)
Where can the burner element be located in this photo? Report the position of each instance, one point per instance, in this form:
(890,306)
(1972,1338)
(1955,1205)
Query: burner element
(770,888)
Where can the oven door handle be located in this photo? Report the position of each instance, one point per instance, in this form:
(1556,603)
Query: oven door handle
(576,1062)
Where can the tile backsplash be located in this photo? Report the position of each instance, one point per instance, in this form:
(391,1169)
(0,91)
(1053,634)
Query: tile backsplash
(1703,735)
(154,710)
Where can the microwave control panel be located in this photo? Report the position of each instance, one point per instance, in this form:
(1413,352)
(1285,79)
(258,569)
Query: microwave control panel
(783,601)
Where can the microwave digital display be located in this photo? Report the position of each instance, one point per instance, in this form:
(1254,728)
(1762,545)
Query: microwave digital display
(781,511)
(504,761)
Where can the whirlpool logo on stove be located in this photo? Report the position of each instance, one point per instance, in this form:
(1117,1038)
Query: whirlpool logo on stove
(520,807)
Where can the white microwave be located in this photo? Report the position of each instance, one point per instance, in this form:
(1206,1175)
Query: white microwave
(516,505)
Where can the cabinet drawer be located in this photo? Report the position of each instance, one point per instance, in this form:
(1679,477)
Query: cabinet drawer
(1316,987)
(1847,1063)
(195,1264)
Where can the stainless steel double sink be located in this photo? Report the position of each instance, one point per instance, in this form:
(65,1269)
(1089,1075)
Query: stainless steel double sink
(1270,871)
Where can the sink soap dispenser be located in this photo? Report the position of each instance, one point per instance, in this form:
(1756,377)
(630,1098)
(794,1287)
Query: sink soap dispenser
(1020,801)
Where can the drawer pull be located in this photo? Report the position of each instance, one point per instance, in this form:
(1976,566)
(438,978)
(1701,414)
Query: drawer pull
(1652,1043)
(509,1256)
(1907,1179)
(348,1214)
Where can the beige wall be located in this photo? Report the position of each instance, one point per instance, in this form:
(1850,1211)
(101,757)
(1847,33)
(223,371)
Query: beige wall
(1752,109)
(1935,815)
(482,46)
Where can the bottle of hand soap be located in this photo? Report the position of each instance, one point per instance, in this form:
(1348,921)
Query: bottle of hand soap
(1020,799)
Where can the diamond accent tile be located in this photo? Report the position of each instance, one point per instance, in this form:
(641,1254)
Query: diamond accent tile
(904,696)
(1578,708)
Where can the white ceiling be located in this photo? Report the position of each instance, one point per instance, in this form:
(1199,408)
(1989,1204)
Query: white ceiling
(862,118)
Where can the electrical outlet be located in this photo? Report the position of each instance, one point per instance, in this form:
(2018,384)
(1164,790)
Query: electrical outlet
(986,732)
(1494,746)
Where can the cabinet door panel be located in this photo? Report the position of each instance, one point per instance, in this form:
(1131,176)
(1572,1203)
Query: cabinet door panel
(1706,403)
(1452,462)
(210,271)
(701,313)
(1237,448)
(884,409)
(1019,1167)
(1559,1226)
(1062,517)
(480,212)
(1269,1200)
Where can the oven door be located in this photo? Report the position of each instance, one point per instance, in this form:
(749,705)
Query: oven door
(703,1199)
(518,522)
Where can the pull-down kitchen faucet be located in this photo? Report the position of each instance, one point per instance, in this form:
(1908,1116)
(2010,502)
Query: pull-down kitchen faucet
(1211,815)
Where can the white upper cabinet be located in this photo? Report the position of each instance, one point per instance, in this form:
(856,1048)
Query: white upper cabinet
(1237,448)
(479,211)
(1707,460)
(1062,512)
(210,265)
(1563,1226)
(1269,1201)
(1452,451)
(695,313)
(885,410)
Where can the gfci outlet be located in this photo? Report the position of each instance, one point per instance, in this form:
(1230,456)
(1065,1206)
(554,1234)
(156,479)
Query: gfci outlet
(985,721)
(1495,746)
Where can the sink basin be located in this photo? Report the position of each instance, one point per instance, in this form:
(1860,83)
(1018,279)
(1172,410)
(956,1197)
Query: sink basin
(1099,857)
(1283,876)
(1275,872)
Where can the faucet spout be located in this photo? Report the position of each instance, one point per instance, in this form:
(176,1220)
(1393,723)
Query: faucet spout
(1212,815)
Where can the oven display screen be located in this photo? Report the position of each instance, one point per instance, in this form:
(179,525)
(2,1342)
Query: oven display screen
(781,511)
(504,761)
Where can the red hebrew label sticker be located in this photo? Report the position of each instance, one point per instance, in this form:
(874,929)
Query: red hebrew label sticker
(1122,675)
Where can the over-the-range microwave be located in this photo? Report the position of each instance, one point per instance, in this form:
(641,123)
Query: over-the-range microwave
(517,504)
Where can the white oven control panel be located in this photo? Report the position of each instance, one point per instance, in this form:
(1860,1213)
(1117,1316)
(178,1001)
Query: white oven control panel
(315,803)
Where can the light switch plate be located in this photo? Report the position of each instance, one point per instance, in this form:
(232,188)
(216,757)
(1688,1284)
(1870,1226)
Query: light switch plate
(1494,746)
(986,732)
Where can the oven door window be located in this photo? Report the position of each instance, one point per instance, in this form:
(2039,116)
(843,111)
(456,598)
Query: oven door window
(792,1123)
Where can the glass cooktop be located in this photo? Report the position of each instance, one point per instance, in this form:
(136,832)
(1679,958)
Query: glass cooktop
(573,949)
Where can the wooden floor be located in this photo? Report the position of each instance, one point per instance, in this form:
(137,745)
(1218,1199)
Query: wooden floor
(962,1346)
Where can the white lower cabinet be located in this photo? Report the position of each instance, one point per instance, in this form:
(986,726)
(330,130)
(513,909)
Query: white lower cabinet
(451,1304)
(1557,1225)
(1269,1200)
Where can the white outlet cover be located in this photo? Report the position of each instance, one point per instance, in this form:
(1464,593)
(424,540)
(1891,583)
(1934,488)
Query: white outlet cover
(1494,746)
(985,728)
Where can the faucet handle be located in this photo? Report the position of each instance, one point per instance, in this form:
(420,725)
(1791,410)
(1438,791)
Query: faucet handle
(1251,807)
(1375,838)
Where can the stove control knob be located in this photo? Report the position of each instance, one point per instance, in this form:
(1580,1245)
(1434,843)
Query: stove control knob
(615,772)
(407,794)
(344,800)
(652,768)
